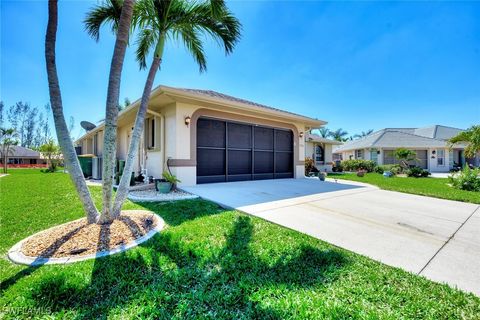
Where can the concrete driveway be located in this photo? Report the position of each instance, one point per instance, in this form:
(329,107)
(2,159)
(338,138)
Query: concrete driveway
(439,239)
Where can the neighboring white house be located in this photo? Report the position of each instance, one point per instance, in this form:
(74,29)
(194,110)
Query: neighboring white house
(206,136)
(429,143)
(320,150)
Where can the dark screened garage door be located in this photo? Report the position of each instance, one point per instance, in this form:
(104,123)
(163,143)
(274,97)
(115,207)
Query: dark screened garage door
(231,151)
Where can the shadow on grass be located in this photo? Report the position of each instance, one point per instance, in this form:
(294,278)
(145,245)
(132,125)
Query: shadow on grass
(167,278)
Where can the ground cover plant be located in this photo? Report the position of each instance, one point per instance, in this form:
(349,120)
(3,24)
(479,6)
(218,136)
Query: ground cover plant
(208,263)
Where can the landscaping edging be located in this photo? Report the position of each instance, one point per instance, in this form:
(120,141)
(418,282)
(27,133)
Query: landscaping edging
(16,256)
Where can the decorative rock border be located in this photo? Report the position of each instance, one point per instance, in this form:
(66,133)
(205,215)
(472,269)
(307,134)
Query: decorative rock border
(16,256)
(161,197)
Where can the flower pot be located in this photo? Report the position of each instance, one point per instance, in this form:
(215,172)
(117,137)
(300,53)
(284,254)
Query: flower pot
(322,176)
(162,186)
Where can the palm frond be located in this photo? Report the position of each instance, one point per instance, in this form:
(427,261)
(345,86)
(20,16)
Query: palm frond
(107,12)
(145,41)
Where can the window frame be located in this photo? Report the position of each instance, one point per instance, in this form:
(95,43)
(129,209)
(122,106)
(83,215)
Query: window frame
(440,151)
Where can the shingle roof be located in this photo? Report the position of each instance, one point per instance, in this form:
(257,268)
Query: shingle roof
(22,152)
(215,94)
(427,137)
(309,137)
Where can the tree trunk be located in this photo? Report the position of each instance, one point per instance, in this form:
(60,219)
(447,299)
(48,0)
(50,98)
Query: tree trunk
(111,109)
(135,140)
(61,128)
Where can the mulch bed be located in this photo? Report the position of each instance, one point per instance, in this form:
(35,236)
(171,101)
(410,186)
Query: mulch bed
(77,238)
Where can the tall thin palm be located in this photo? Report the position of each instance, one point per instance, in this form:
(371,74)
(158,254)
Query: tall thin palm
(339,134)
(176,20)
(363,134)
(324,132)
(119,14)
(63,135)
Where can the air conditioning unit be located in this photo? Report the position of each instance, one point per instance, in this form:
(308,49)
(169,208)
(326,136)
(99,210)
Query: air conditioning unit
(97,165)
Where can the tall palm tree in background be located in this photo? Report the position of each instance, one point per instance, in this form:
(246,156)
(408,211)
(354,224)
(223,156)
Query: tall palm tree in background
(324,132)
(159,21)
(339,135)
(120,14)
(363,134)
(63,135)
(471,137)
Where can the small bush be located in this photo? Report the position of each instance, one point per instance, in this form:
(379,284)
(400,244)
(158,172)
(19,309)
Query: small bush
(468,179)
(337,166)
(310,166)
(417,172)
(359,164)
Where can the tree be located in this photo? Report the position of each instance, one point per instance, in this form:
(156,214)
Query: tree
(2,107)
(119,13)
(8,139)
(471,137)
(339,134)
(65,142)
(159,21)
(324,132)
(24,120)
(363,134)
(51,151)
(404,156)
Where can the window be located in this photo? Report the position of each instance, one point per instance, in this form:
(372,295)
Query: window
(389,157)
(319,154)
(359,154)
(152,133)
(440,157)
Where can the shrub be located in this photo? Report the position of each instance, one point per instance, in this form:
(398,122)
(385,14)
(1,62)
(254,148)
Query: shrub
(468,179)
(359,164)
(310,166)
(417,172)
(337,166)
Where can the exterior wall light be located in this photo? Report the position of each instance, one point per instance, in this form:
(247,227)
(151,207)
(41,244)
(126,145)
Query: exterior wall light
(188,120)
(300,134)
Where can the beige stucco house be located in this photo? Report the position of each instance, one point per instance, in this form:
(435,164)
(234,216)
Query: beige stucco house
(206,136)
(429,143)
(320,150)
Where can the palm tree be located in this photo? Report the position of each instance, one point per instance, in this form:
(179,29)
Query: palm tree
(120,12)
(471,137)
(339,134)
(159,21)
(363,134)
(66,145)
(324,132)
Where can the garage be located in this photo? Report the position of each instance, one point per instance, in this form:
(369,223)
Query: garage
(235,151)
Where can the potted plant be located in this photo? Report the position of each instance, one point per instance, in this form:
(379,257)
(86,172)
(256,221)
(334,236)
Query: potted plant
(322,176)
(361,172)
(166,184)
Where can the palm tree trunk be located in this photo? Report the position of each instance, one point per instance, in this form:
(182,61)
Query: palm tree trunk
(111,110)
(61,128)
(135,140)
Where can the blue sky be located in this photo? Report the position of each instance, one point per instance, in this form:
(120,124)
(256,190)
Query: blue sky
(357,65)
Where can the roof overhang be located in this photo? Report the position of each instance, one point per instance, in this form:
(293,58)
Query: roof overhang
(171,95)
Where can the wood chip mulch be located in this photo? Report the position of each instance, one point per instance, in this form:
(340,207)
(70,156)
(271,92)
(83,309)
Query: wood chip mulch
(77,238)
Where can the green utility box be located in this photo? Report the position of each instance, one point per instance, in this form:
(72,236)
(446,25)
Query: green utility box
(86,164)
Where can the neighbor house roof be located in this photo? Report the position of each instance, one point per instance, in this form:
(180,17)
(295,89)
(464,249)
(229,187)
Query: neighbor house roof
(309,137)
(22,152)
(427,137)
(218,98)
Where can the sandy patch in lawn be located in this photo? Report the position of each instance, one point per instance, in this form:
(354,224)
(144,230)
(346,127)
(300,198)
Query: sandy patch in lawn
(77,238)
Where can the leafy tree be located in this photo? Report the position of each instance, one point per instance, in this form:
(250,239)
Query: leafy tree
(63,134)
(404,156)
(8,139)
(159,21)
(51,151)
(2,107)
(339,135)
(471,137)
(363,134)
(24,120)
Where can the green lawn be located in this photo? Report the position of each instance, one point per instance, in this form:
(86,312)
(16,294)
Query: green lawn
(432,187)
(208,263)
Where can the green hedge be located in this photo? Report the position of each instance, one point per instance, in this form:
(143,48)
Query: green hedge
(358,164)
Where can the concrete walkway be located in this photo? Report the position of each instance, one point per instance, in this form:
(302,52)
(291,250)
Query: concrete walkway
(439,239)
